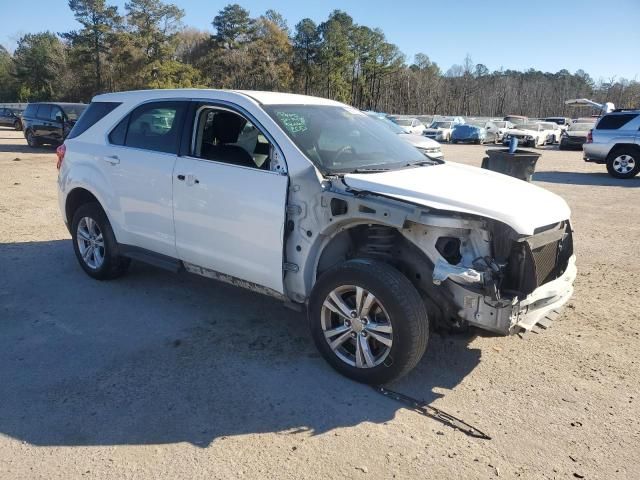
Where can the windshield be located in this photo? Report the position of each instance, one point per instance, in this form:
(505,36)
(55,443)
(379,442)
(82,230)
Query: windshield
(580,126)
(405,122)
(500,124)
(515,119)
(388,123)
(342,139)
(73,111)
(441,125)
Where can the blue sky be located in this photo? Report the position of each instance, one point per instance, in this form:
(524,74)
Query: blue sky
(598,36)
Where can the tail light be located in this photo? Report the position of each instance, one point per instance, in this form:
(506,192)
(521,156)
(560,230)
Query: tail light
(60,152)
(590,136)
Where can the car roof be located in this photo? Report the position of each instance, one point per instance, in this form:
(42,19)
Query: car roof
(61,104)
(264,98)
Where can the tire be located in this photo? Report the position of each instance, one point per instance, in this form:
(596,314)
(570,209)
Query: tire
(17,125)
(397,315)
(624,162)
(31,140)
(103,262)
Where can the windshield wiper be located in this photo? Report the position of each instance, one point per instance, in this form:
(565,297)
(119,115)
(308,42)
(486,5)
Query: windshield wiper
(424,163)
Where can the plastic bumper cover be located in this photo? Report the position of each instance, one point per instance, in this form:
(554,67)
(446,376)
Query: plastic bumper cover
(511,316)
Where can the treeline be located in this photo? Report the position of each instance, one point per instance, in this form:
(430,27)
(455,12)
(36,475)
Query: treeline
(147,46)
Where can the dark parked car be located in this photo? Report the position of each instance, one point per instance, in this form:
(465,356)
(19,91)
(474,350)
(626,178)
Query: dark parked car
(10,117)
(473,133)
(50,122)
(575,136)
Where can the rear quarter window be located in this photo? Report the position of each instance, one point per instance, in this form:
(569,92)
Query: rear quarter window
(614,122)
(92,115)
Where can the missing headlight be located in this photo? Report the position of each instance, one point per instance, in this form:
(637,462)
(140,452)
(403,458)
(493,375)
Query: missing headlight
(449,248)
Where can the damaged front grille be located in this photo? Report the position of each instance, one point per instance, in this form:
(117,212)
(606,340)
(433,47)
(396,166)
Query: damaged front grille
(538,259)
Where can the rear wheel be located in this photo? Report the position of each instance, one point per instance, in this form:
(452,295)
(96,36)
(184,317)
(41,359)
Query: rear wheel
(17,125)
(95,245)
(31,139)
(368,321)
(624,163)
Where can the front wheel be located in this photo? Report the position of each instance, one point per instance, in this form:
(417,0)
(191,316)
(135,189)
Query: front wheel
(368,321)
(95,244)
(624,163)
(17,125)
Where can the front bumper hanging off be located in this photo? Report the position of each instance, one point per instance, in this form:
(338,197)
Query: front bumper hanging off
(542,306)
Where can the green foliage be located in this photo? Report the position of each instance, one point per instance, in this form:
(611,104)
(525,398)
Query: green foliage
(147,46)
(232,25)
(40,66)
(90,44)
(8,86)
(171,74)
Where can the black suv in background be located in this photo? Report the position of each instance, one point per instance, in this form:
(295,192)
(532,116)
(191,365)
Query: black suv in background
(49,122)
(10,117)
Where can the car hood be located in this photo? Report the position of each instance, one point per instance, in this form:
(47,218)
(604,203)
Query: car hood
(419,141)
(462,188)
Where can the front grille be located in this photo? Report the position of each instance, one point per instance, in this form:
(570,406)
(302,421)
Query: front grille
(538,259)
(545,259)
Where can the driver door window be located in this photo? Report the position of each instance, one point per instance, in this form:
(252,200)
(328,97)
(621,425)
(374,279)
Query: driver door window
(227,137)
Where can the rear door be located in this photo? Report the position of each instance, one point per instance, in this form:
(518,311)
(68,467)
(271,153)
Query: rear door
(229,206)
(41,125)
(139,165)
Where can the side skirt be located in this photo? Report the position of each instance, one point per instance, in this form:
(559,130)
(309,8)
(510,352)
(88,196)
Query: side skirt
(153,258)
(175,265)
(238,282)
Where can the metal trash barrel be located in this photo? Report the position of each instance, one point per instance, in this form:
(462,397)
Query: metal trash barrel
(520,164)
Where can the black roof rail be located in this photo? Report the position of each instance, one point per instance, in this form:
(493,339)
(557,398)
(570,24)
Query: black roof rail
(626,109)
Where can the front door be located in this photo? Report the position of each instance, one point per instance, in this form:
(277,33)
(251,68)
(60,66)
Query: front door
(229,207)
(139,163)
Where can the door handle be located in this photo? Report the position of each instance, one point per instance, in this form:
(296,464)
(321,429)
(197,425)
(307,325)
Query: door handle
(112,159)
(190,178)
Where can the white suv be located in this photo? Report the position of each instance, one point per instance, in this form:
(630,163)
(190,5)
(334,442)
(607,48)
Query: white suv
(313,202)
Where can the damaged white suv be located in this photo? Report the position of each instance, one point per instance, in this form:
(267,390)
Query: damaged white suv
(313,202)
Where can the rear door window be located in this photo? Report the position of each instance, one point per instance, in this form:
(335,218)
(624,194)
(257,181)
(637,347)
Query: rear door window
(92,115)
(44,112)
(30,111)
(156,126)
(614,122)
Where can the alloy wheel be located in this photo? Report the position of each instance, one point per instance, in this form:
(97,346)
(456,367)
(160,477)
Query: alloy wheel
(356,326)
(624,164)
(90,242)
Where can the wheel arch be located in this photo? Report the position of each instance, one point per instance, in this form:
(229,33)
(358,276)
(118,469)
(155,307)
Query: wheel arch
(75,199)
(623,146)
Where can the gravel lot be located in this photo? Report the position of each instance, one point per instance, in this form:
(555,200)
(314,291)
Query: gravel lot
(159,375)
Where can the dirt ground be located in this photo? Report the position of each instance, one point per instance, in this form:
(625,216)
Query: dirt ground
(159,375)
